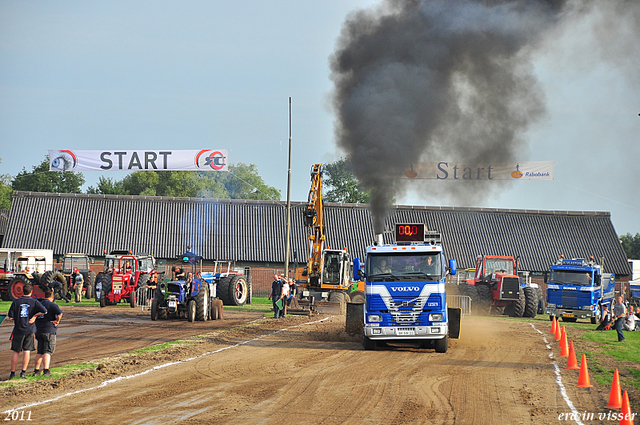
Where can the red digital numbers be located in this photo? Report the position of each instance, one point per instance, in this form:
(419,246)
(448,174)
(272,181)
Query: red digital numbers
(409,232)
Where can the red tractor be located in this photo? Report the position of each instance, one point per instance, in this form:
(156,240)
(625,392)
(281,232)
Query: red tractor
(497,289)
(129,273)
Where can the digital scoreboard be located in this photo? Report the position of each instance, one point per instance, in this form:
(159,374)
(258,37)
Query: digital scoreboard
(409,232)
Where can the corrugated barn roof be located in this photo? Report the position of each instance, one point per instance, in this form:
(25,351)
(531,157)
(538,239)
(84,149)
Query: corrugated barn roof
(254,231)
(4,221)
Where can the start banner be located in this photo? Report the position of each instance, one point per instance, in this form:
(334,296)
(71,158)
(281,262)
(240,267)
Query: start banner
(444,170)
(139,160)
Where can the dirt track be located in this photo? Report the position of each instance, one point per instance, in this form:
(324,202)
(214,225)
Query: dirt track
(498,373)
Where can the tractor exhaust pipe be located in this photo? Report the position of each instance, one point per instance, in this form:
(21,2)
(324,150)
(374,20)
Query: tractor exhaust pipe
(378,240)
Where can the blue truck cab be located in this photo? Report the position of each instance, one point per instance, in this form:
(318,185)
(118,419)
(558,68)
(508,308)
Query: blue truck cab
(578,289)
(405,297)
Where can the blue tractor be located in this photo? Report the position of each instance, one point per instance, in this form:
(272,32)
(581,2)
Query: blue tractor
(192,296)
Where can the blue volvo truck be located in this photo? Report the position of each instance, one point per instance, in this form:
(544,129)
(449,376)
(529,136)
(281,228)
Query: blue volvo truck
(405,297)
(578,289)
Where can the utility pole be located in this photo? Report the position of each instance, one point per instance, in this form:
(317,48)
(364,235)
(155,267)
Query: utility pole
(288,237)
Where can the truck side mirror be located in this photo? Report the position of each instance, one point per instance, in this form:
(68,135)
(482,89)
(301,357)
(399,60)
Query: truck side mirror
(597,280)
(453,266)
(356,269)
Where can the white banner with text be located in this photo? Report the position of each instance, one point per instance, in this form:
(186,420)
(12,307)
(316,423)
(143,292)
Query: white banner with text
(139,160)
(444,170)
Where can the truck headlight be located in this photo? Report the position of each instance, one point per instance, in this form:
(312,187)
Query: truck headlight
(551,305)
(375,318)
(437,317)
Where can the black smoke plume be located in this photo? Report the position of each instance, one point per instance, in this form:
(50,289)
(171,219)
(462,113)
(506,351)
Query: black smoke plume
(431,80)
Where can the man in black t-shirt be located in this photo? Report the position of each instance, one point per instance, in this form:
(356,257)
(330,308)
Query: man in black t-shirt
(46,330)
(23,311)
(275,295)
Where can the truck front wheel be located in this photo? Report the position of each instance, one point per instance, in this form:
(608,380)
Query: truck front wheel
(368,344)
(442,345)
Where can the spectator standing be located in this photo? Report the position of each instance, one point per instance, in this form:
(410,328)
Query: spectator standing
(46,330)
(293,291)
(630,324)
(620,316)
(275,295)
(78,282)
(152,284)
(605,319)
(23,311)
(285,295)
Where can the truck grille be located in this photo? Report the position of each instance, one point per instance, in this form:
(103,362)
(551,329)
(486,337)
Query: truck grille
(510,288)
(405,310)
(569,299)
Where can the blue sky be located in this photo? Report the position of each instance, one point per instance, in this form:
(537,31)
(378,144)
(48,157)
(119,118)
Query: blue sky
(218,74)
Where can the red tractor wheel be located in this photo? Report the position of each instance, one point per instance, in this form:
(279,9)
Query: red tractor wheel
(16,287)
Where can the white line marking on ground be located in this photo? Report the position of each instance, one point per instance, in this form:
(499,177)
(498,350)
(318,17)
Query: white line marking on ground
(563,390)
(162,366)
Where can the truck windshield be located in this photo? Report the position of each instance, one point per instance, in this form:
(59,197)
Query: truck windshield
(569,277)
(420,265)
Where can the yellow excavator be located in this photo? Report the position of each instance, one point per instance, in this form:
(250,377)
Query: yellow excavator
(325,281)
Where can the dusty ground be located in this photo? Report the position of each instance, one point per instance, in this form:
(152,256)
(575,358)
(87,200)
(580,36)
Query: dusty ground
(291,372)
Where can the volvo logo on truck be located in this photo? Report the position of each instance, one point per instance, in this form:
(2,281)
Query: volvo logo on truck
(405,288)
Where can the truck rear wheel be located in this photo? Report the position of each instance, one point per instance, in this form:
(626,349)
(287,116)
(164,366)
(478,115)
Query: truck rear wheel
(531,302)
(442,345)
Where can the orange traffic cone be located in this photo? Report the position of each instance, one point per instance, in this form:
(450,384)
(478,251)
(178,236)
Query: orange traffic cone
(627,417)
(564,346)
(583,379)
(553,325)
(615,397)
(558,333)
(572,363)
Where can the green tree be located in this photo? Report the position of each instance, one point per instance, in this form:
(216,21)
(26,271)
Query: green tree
(631,245)
(244,182)
(5,191)
(43,180)
(241,182)
(107,186)
(342,184)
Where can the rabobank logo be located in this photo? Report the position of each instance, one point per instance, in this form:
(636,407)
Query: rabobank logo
(404,288)
(211,159)
(517,174)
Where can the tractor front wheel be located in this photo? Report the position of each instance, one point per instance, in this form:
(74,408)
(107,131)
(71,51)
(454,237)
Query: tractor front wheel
(191,311)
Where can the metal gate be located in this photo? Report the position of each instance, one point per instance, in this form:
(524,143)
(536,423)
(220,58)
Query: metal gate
(462,302)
